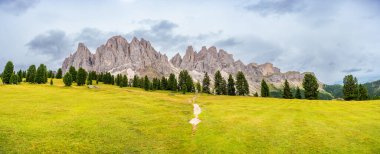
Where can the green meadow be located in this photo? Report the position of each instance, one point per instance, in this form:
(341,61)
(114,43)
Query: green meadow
(109,119)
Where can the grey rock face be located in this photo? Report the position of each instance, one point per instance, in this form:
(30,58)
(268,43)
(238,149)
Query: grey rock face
(117,56)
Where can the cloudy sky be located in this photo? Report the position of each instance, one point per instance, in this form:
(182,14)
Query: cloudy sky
(329,37)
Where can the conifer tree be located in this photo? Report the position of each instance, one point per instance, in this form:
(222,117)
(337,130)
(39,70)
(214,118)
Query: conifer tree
(73,73)
(350,88)
(23,74)
(19,75)
(189,83)
(310,84)
(218,83)
(154,84)
(112,79)
(183,89)
(198,87)
(206,84)
(41,74)
(172,83)
(164,83)
(31,74)
(59,74)
(7,72)
(68,79)
(13,79)
(185,82)
(81,76)
(223,87)
(135,81)
(256,94)
(242,87)
(287,93)
(231,86)
(141,82)
(124,81)
(264,89)
(146,83)
(89,81)
(298,93)
(363,93)
(50,74)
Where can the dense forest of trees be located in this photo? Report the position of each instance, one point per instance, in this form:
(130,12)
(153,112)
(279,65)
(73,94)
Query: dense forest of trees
(237,85)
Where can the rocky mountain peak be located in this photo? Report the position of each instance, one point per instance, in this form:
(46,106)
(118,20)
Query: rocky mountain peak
(116,41)
(139,57)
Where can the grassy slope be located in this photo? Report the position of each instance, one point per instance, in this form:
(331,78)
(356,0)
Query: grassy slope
(43,118)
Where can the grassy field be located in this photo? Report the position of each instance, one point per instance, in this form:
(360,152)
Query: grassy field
(57,119)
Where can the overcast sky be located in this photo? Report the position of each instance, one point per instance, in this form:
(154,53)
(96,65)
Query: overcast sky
(329,37)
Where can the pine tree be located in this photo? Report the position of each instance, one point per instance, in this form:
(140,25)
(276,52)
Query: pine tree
(198,87)
(185,82)
(135,82)
(154,84)
(298,93)
(124,81)
(310,84)
(68,79)
(59,74)
(51,81)
(172,83)
(17,79)
(112,79)
(118,79)
(242,87)
(7,72)
(264,89)
(13,79)
(256,94)
(81,77)
(19,75)
(146,83)
(164,83)
(184,89)
(23,74)
(363,93)
(89,81)
(31,74)
(223,87)
(206,84)
(41,74)
(350,88)
(218,83)
(50,74)
(287,93)
(231,86)
(73,73)
(189,83)
(141,82)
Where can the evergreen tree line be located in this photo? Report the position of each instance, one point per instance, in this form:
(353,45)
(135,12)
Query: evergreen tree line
(184,83)
(237,85)
(38,75)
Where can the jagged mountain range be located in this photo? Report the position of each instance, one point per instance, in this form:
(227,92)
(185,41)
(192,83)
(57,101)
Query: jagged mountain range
(118,56)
